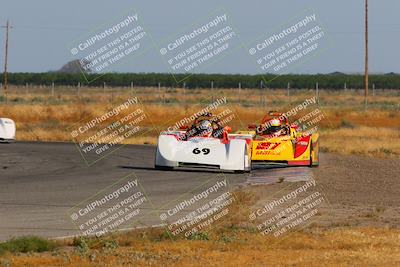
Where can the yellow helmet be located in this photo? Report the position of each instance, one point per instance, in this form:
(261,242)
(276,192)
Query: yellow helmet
(274,123)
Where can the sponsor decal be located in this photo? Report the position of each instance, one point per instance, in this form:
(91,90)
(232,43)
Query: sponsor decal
(267,146)
(301,146)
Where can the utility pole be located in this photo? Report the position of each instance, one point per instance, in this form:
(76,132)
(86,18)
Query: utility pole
(366,54)
(5,60)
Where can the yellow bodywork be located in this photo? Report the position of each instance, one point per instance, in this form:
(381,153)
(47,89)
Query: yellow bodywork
(282,148)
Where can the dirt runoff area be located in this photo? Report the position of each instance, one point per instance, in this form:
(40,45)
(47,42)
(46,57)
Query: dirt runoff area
(357,191)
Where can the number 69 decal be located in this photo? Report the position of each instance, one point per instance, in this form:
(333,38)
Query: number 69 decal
(205,151)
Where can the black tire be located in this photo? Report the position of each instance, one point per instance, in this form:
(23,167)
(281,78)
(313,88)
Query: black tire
(163,168)
(311,151)
(311,159)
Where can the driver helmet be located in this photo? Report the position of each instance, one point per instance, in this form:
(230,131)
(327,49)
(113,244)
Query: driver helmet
(272,126)
(275,123)
(206,127)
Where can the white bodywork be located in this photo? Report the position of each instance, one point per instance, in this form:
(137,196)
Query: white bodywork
(7,130)
(202,152)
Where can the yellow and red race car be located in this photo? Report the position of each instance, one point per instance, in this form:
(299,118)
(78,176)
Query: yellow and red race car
(277,141)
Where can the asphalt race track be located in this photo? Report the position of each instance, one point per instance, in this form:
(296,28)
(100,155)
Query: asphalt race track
(41,182)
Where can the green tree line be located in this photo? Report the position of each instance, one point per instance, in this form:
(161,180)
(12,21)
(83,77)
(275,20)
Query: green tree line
(331,81)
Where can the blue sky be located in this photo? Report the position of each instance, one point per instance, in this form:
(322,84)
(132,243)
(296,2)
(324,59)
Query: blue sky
(43,29)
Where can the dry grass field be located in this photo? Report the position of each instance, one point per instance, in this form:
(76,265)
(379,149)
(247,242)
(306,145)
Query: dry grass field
(232,243)
(355,247)
(46,114)
(346,128)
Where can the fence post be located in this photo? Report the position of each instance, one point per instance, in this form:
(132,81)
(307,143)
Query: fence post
(52,89)
(159,92)
(104,87)
(132,90)
(288,89)
(240,89)
(373,89)
(212,84)
(317,92)
(79,86)
(184,93)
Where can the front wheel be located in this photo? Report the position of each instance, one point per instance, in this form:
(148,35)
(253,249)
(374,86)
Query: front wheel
(314,162)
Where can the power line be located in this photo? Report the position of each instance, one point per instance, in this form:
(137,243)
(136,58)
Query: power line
(51,28)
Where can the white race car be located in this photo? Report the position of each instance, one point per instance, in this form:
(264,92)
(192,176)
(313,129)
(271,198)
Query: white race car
(206,144)
(7,130)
